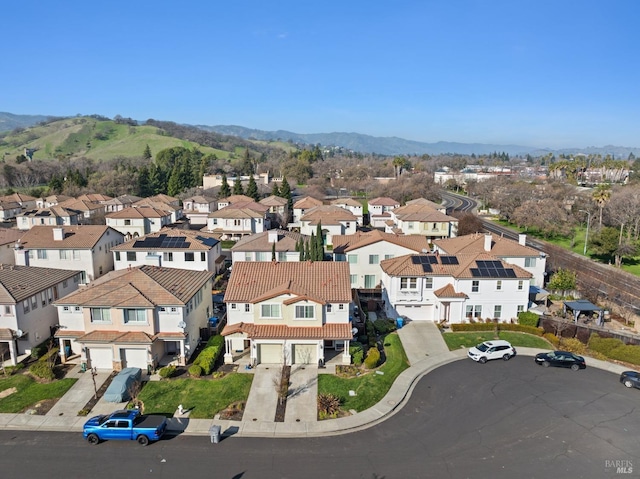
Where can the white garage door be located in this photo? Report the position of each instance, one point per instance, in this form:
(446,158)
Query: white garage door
(101,358)
(270,353)
(418,313)
(304,354)
(134,358)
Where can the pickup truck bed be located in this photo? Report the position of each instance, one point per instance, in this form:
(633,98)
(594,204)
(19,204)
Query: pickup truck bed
(150,422)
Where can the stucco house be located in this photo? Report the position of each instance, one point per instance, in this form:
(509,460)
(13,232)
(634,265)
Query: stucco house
(420,217)
(85,247)
(138,221)
(51,216)
(238,219)
(278,211)
(288,312)
(9,237)
(91,212)
(27,315)
(120,203)
(139,317)
(351,205)
(171,248)
(453,288)
(260,246)
(334,220)
(197,208)
(300,208)
(26,202)
(51,200)
(379,210)
(9,210)
(163,203)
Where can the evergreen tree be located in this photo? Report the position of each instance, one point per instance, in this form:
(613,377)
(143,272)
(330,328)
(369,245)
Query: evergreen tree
(319,243)
(144,183)
(273,251)
(225,191)
(147,153)
(237,187)
(252,189)
(302,252)
(285,192)
(247,163)
(275,191)
(307,251)
(313,254)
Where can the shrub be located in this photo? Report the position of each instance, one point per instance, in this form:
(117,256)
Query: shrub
(357,353)
(459,327)
(373,358)
(10,370)
(384,326)
(552,338)
(371,333)
(574,345)
(364,339)
(521,328)
(167,371)
(526,318)
(627,353)
(195,371)
(42,370)
(328,405)
(39,350)
(604,345)
(209,355)
(46,356)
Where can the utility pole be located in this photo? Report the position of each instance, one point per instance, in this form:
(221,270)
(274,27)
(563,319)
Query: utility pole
(586,236)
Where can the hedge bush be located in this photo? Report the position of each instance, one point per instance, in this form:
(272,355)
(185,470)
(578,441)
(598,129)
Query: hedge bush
(195,371)
(627,353)
(574,345)
(209,355)
(371,333)
(42,370)
(384,326)
(357,353)
(552,338)
(521,328)
(527,318)
(604,345)
(460,327)
(167,371)
(372,359)
(39,350)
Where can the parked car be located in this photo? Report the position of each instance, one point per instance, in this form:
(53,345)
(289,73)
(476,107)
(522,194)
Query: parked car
(561,359)
(497,349)
(125,425)
(630,379)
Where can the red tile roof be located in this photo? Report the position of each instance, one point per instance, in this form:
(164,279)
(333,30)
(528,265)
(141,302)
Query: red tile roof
(75,237)
(346,243)
(131,337)
(281,331)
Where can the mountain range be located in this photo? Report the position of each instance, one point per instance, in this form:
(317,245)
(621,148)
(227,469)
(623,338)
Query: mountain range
(358,142)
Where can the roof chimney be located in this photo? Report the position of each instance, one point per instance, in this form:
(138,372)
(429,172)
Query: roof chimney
(273,236)
(58,234)
(487,242)
(522,239)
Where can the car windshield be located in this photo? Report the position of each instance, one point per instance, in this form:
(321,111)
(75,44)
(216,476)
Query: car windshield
(482,347)
(102,419)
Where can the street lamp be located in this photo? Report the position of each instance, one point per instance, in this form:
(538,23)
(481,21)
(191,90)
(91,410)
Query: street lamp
(586,236)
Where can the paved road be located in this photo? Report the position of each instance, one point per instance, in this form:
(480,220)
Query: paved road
(500,420)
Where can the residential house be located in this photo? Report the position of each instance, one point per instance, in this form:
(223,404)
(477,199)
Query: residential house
(261,246)
(50,216)
(95,198)
(363,252)
(197,209)
(26,202)
(379,210)
(229,200)
(138,221)
(28,317)
(278,212)
(238,219)
(85,247)
(423,219)
(351,205)
(51,200)
(289,312)
(301,207)
(9,210)
(164,203)
(140,317)
(510,251)
(8,239)
(120,203)
(92,213)
(453,288)
(171,248)
(334,220)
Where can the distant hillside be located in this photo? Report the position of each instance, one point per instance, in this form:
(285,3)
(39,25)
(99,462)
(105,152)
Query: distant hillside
(9,121)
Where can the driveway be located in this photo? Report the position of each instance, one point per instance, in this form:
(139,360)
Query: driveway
(420,340)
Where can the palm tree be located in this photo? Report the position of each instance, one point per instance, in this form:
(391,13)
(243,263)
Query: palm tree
(601,196)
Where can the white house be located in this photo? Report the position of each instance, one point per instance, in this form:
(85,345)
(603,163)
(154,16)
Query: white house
(51,200)
(333,219)
(300,208)
(229,200)
(140,317)
(9,210)
(120,203)
(278,211)
(165,203)
(27,315)
(26,202)
(453,288)
(86,248)
(238,219)
(50,216)
(91,212)
(139,220)
(422,217)
(171,248)
(351,205)
(379,210)
(288,312)
(197,209)
(8,239)
(261,246)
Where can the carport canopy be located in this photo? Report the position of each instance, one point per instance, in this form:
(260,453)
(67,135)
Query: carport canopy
(583,306)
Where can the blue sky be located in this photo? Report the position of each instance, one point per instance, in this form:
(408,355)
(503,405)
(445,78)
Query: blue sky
(557,73)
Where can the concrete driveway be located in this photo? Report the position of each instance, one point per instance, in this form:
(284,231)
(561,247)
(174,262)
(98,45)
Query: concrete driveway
(421,339)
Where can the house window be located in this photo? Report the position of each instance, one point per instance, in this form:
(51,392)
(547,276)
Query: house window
(65,309)
(341,306)
(100,315)
(76,309)
(282,256)
(520,285)
(236,223)
(408,283)
(138,316)
(247,308)
(42,254)
(475,286)
(34,302)
(369,281)
(189,257)
(410,225)
(163,309)
(499,285)
(520,308)
(340,257)
(7,309)
(374,259)
(263,256)
(435,226)
(428,283)
(25,305)
(248,256)
(215,221)
(353,278)
(304,312)
(167,256)
(474,311)
(76,255)
(64,254)
(388,256)
(329,308)
(497,310)
(64,283)
(352,258)
(43,298)
(131,255)
(270,311)
(203,256)
(174,310)
(530,262)
(234,306)
(127,222)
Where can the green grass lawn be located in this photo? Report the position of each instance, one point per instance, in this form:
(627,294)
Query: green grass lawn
(371,387)
(205,397)
(456,340)
(29,392)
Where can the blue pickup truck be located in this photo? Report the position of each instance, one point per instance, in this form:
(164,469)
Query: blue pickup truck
(125,425)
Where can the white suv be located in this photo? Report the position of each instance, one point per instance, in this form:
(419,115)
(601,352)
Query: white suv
(497,349)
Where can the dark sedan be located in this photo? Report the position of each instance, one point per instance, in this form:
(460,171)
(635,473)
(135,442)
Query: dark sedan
(631,379)
(561,359)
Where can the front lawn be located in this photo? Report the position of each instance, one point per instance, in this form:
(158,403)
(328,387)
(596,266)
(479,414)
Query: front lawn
(205,397)
(456,340)
(30,392)
(370,388)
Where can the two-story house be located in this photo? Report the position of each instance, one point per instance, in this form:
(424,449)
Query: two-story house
(120,203)
(264,246)
(229,200)
(419,218)
(379,210)
(171,248)
(138,221)
(238,219)
(92,213)
(288,312)
(9,210)
(278,211)
(26,202)
(51,200)
(27,315)
(140,317)
(351,205)
(301,207)
(334,220)
(85,247)
(165,203)
(8,239)
(453,288)
(197,209)
(363,252)
(50,216)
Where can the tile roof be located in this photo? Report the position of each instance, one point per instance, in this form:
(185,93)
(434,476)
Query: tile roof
(474,243)
(347,202)
(66,333)
(103,336)
(6,334)
(18,283)
(346,243)
(143,286)
(274,201)
(9,205)
(250,205)
(201,199)
(307,202)
(235,199)
(287,241)
(139,212)
(195,239)
(449,291)
(75,237)
(384,201)
(17,197)
(52,211)
(57,198)
(281,331)
(158,205)
(123,200)
(81,205)
(425,202)
(421,212)
(327,280)
(328,215)
(94,197)
(232,212)
(10,236)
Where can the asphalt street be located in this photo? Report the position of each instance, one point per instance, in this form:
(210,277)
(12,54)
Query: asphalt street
(464,420)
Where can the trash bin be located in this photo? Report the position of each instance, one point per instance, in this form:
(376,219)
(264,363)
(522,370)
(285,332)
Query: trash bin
(214,431)
(399,322)
(83,367)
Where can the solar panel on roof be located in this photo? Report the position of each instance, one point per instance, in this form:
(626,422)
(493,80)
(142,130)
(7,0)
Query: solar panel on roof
(448,259)
(426,267)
